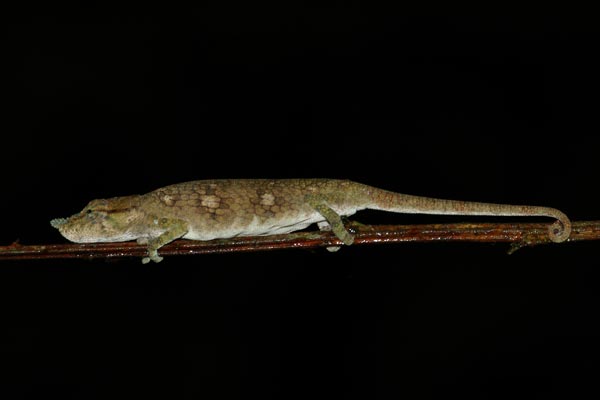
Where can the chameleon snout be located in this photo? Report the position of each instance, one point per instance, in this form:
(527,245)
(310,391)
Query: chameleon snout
(67,229)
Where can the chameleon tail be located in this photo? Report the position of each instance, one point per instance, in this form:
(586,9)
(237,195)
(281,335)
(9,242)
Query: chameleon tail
(385,200)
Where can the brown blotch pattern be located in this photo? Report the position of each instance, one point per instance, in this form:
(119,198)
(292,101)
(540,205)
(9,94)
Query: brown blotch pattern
(241,200)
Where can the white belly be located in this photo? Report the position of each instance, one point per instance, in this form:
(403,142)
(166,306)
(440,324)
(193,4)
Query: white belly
(255,228)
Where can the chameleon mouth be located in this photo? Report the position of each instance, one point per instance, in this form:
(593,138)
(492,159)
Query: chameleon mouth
(57,222)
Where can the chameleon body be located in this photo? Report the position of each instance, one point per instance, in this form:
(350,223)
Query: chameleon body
(212,209)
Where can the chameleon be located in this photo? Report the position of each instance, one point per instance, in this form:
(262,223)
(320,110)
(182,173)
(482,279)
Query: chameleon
(226,208)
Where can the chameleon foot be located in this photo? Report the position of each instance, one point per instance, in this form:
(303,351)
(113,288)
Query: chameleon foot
(334,223)
(152,256)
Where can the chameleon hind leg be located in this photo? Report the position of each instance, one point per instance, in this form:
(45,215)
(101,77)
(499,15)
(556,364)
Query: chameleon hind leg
(334,221)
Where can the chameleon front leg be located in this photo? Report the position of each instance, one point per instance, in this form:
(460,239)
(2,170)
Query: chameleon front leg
(333,219)
(173,229)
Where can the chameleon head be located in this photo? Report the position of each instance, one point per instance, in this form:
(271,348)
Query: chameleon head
(104,220)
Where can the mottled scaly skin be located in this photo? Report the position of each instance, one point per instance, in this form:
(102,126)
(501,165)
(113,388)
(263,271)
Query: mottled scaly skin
(227,208)
(210,209)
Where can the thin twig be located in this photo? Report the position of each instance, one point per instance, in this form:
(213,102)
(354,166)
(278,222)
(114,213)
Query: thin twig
(518,234)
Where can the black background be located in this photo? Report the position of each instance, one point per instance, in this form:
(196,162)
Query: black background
(495,107)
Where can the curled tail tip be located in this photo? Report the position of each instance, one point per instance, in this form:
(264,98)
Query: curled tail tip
(560,230)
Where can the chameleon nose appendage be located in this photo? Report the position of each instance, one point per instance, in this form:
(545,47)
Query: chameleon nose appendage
(57,222)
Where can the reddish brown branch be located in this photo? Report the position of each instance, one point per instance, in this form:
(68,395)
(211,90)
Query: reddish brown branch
(519,234)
